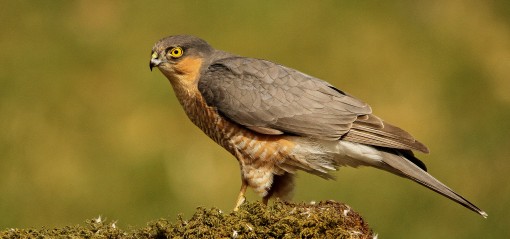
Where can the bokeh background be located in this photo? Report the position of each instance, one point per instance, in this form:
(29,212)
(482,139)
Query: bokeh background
(86,129)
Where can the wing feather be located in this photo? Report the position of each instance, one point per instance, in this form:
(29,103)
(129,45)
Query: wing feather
(371,130)
(259,93)
(273,99)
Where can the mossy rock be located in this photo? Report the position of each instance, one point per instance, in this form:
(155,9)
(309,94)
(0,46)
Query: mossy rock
(254,220)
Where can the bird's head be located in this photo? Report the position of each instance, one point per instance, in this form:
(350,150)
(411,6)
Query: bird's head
(180,57)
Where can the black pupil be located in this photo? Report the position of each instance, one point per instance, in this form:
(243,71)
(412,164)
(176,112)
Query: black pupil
(176,52)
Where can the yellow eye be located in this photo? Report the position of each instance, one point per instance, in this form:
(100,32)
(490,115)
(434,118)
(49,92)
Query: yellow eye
(176,52)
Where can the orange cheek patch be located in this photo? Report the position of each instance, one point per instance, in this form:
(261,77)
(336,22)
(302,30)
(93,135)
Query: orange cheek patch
(189,68)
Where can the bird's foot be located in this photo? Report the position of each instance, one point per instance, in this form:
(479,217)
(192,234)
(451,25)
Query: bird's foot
(241,198)
(240,201)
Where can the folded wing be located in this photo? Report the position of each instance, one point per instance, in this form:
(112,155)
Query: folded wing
(273,99)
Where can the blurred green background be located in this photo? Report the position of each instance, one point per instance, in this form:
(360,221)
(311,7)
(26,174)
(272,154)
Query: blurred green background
(86,129)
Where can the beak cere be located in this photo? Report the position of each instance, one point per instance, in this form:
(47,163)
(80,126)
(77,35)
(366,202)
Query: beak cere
(154,63)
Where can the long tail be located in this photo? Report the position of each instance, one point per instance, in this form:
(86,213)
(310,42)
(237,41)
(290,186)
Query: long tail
(395,162)
(322,156)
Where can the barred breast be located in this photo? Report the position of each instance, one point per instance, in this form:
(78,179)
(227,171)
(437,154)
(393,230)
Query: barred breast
(260,156)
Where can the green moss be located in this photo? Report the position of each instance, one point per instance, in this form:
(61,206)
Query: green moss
(253,220)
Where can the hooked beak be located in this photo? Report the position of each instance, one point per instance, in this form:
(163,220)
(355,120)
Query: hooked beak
(154,63)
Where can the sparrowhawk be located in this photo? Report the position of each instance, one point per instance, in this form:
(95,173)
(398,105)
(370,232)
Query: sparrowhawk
(276,120)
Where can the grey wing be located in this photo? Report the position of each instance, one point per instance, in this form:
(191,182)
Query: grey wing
(272,99)
(371,130)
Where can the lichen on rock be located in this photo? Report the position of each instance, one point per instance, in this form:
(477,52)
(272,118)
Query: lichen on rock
(327,219)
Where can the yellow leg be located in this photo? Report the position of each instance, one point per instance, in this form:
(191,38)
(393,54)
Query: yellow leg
(241,198)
